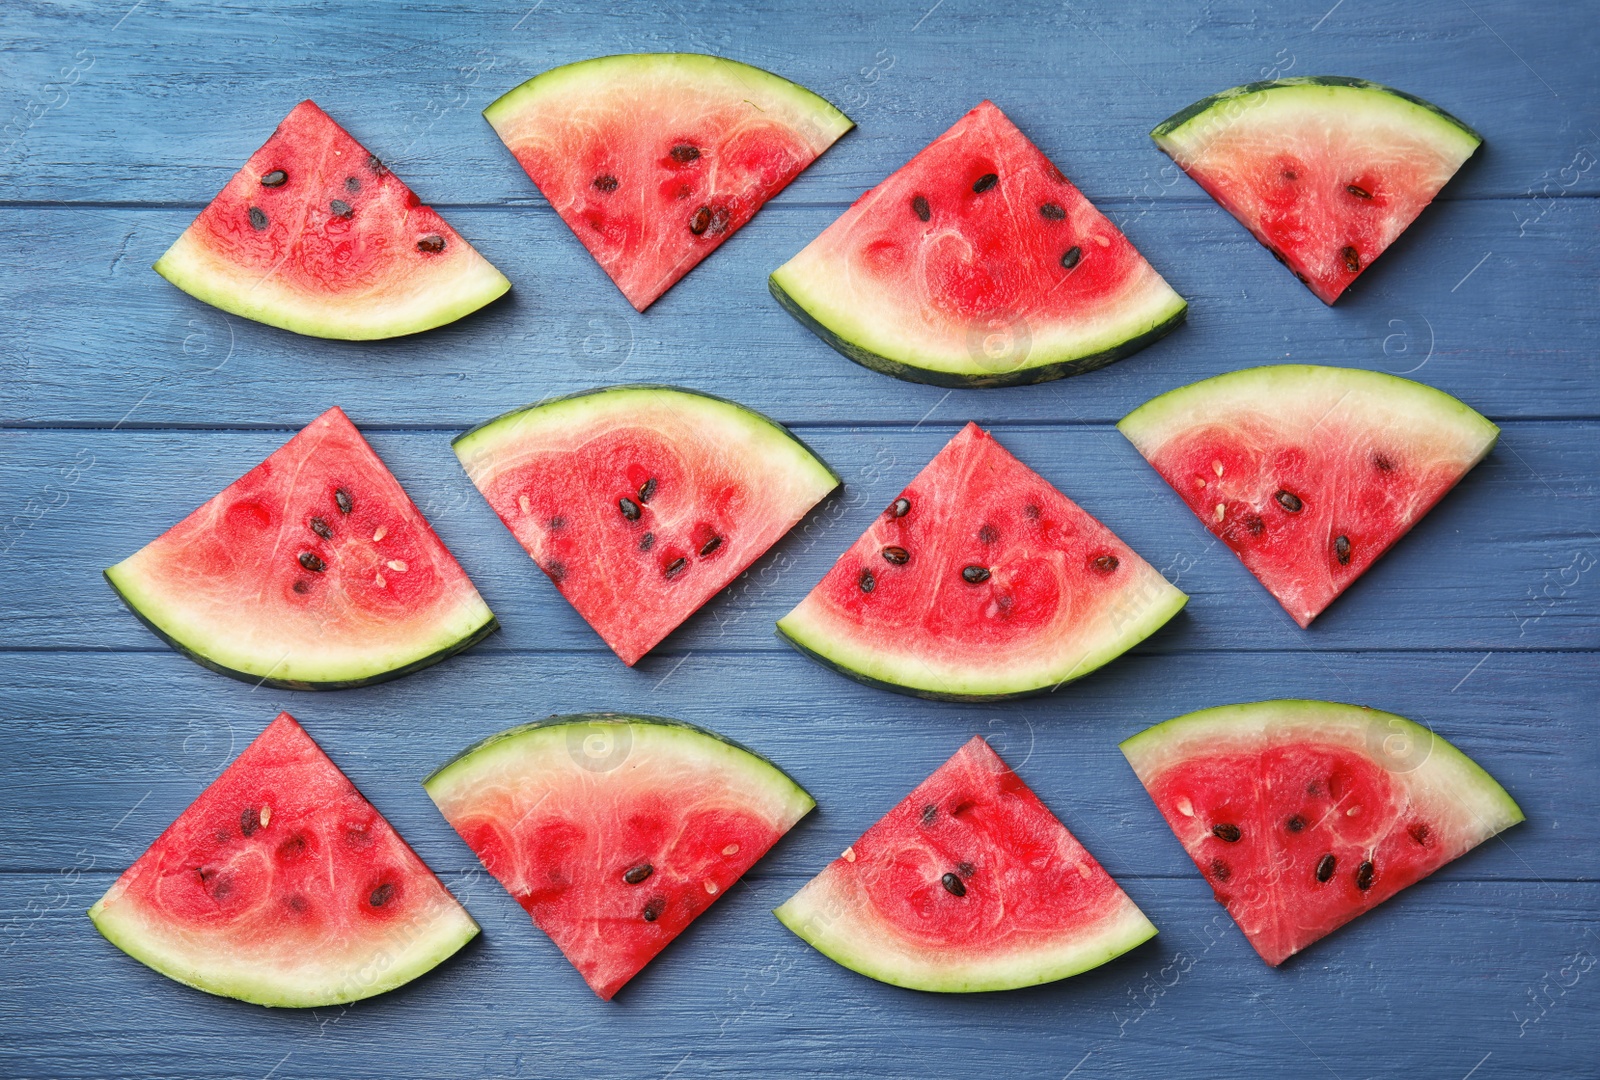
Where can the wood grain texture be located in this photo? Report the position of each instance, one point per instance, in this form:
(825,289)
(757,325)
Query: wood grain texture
(125,403)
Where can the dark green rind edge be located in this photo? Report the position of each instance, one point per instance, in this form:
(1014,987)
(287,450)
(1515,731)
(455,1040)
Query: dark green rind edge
(614,718)
(1183,116)
(294,684)
(759,415)
(1021,377)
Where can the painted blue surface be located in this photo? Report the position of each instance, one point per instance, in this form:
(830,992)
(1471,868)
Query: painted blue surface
(123,403)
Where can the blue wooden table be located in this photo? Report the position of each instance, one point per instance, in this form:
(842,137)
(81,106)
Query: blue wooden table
(124,403)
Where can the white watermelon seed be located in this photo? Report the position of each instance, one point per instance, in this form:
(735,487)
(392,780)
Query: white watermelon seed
(711,887)
(848,855)
(1216,467)
(522,501)
(1185,807)
(266,816)
(397,565)
(382,531)
(1222,511)
(731,849)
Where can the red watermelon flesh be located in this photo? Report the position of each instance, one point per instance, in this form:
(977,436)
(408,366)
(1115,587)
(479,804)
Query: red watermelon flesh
(316,235)
(281,885)
(970,883)
(653,160)
(313,570)
(1302,815)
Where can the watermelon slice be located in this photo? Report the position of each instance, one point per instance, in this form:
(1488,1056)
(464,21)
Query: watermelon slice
(313,571)
(1309,473)
(980,581)
(977,264)
(317,236)
(655,159)
(1326,172)
(969,884)
(642,502)
(1302,815)
(615,832)
(281,885)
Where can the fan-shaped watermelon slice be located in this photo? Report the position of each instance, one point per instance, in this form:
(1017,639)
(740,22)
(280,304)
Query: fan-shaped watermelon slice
(281,885)
(1302,815)
(1326,171)
(980,581)
(317,236)
(969,884)
(1309,473)
(642,502)
(655,159)
(977,264)
(615,832)
(313,571)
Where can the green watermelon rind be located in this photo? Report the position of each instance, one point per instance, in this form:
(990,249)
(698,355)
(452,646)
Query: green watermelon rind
(1107,348)
(444,937)
(605,69)
(258,670)
(1237,98)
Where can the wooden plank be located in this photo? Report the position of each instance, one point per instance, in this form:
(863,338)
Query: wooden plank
(1509,556)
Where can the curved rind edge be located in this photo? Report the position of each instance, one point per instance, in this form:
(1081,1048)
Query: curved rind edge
(1189,112)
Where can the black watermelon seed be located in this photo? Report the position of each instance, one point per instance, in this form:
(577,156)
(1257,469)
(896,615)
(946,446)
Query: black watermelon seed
(1341,550)
(249,820)
(647,541)
(1254,524)
(965,869)
(297,904)
(929,812)
(975,575)
(1031,511)
(866,581)
(1289,501)
(558,523)
(675,567)
(637,874)
(653,908)
(258,218)
(312,563)
(340,208)
(953,885)
(1220,870)
(897,555)
(1382,463)
(1419,833)
(1227,832)
(292,847)
(1052,212)
(683,153)
(381,895)
(1290,174)
(988,535)
(1105,563)
(920,207)
(647,490)
(1358,191)
(1325,867)
(1352,259)
(1364,874)
(376,165)
(352,184)
(1296,823)
(557,572)
(607,183)
(985,182)
(1073,256)
(900,507)
(275,178)
(710,545)
(301,586)
(431,244)
(701,221)
(320,527)
(629,508)
(342,497)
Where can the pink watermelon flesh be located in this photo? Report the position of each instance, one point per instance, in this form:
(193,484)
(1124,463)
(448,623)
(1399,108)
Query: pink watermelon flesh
(615,833)
(654,160)
(980,580)
(314,569)
(1303,815)
(970,883)
(281,885)
(316,235)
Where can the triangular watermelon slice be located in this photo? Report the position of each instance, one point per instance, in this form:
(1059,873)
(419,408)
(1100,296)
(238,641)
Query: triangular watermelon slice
(980,581)
(615,832)
(1309,474)
(317,236)
(642,502)
(313,571)
(281,885)
(978,264)
(970,883)
(1302,815)
(655,159)
(1326,171)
